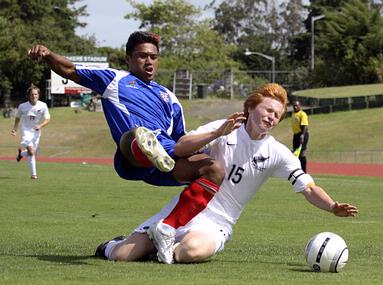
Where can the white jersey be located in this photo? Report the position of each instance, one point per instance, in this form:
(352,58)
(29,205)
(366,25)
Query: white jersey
(32,115)
(248,164)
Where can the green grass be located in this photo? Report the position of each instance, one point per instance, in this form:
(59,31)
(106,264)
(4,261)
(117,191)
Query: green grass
(50,228)
(343,91)
(87,134)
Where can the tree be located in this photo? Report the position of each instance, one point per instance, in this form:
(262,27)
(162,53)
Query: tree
(350,44)
(293,15)
(186,41)
(24,23)
(173,20)
(239,19)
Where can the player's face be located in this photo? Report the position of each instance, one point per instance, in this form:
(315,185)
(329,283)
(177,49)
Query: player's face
(33,96)
(143,62)
(265,116)
(297,106)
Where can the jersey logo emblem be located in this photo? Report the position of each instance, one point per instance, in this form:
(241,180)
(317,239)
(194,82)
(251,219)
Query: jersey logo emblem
(132,84)
(165,96)
(259,162)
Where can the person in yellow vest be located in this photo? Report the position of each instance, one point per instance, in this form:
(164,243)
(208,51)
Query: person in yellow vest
(299,124)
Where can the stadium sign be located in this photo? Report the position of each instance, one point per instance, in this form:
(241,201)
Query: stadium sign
(60,85)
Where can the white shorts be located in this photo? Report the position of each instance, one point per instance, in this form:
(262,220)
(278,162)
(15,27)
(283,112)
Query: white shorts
(30,138)
(206,221)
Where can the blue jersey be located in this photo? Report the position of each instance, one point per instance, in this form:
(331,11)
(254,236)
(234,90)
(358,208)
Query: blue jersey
(128,102)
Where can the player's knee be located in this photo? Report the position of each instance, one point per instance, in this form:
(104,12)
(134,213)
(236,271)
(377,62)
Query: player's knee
(125,146)
(215,172)
(193,250)
(30,151)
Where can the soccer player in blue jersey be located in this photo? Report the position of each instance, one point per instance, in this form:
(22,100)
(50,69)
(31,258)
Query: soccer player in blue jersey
(146,120)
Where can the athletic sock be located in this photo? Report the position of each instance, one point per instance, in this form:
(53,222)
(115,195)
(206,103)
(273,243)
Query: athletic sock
(193,199)
(24,153)
(109,247)
(32,164)
(139,156)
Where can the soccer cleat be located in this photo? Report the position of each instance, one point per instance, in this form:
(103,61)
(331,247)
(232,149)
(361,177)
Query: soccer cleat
(100,250)
(34,177)
(163,237)
(151,147)
(19,157)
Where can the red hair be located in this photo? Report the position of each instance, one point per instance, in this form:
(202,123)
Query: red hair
(271,90)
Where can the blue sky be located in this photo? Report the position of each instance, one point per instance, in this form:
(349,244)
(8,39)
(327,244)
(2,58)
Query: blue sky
(106,21)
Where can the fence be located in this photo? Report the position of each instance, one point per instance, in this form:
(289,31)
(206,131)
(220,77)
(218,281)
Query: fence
(356,156)
(219,83)
(328,105)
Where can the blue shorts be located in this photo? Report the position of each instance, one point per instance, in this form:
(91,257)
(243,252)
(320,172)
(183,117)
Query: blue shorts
(150,175)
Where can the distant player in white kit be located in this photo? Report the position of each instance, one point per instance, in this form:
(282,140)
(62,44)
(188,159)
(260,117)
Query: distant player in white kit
(34,115)
(250,155)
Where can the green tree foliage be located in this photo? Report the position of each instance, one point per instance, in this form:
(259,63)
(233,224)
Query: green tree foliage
(186,41)
(240,19)
(171,19)
(350,44)
(24,23)
(261,26)
(292,14)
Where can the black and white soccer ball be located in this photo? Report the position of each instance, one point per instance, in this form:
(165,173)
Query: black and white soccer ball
(326,252)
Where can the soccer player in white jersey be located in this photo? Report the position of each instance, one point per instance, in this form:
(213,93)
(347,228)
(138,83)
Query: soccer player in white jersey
(145,120)
(34,115)
(250,156)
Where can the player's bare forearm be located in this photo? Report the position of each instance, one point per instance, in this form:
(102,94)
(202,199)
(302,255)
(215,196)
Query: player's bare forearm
(191,143)
(43,124)
(319,198)
(15,126)
(58,63)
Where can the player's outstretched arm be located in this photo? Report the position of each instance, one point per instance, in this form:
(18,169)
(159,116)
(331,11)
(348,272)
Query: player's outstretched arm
(58,63)
(190,143)
(15,126)
(319,198)
(43,124)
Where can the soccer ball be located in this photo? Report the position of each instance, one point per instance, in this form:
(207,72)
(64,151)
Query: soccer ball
(326,252)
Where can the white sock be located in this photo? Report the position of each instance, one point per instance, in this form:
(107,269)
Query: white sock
(110,246)
(24,153)
(32,164)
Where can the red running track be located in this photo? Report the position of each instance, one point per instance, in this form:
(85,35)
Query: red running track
(351,169)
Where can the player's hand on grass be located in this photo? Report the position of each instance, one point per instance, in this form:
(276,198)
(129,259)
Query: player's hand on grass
(344,210)
(233,122)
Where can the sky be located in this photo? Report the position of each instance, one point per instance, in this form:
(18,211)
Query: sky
(106,21)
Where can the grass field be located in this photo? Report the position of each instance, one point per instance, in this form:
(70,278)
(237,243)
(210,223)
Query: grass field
(86,134)
(50,228)
(343,91)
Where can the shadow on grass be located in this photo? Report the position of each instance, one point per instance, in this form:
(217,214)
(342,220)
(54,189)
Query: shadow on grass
(69,259)
(299,267)
(6,177)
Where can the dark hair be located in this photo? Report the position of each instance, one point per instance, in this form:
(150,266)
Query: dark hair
(140,37)
(32,87)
